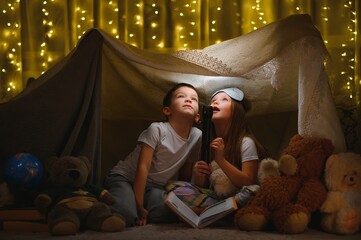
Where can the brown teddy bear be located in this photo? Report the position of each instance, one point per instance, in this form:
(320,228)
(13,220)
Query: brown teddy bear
(70,203)
(341,211)
(286,201)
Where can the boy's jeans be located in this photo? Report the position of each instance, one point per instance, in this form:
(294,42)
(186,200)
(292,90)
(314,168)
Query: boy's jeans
(122,191)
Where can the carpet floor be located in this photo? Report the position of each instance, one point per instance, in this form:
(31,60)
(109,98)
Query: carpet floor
(181,231)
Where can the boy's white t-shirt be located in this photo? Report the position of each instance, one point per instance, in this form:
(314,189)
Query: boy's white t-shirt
(170,153)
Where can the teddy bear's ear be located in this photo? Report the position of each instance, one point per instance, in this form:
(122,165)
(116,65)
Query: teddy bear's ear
(331,159)
(296,138)
(267,167)
(86,161)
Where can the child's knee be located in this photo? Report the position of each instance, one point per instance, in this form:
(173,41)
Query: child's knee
(162,214)
(129,215)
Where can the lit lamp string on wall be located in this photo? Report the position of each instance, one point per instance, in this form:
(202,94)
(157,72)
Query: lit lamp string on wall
(160,25)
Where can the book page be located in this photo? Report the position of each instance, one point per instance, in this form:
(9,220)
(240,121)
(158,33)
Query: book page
(218,207)
(183,210)
(217,211)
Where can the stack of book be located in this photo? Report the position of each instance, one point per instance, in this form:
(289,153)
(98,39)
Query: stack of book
(22,220)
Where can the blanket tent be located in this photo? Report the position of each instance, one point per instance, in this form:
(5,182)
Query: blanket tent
(97,99)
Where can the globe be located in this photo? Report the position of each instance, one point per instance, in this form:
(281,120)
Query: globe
(23,170)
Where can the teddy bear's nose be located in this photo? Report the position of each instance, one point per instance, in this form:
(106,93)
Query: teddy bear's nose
(74,174)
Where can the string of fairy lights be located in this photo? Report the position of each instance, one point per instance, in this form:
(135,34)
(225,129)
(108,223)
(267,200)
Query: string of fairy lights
(156,25)
(10,62)
(348,53)
(45,57)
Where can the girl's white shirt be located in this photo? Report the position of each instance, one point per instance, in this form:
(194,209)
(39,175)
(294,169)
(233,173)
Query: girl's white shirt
(249,150)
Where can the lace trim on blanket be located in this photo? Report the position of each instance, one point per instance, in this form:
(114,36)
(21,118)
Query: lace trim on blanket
(203,60)
(301,58)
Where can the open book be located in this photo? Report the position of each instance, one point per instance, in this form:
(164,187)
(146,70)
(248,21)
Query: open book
(209,215)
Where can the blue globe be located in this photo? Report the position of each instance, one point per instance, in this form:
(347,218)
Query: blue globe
(23,170)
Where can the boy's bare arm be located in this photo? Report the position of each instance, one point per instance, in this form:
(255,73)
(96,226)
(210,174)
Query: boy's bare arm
(144,162)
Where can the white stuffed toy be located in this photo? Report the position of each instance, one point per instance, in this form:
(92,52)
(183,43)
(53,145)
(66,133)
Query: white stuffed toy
(341,211)
(223,187)
(220,183)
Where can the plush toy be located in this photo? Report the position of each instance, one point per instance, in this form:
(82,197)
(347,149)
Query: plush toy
(267,167)
(341,212)
(70,203)
(286,201)
(219,182)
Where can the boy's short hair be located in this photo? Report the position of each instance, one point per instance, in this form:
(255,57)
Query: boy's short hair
(167,100)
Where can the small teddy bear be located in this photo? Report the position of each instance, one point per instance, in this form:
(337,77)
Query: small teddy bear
(341,211)
(287,201)
(220,183)
(70,203)
(223,187)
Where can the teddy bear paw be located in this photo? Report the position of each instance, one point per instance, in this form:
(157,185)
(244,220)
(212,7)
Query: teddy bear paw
(295,223)
(113,224)
(64,228)
(251,222)
(348,223)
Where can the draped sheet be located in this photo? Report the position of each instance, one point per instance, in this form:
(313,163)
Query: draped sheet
(280,67)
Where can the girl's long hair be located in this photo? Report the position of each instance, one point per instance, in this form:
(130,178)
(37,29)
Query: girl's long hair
(237,130)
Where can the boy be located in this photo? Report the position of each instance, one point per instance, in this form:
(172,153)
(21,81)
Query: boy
(165,151)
